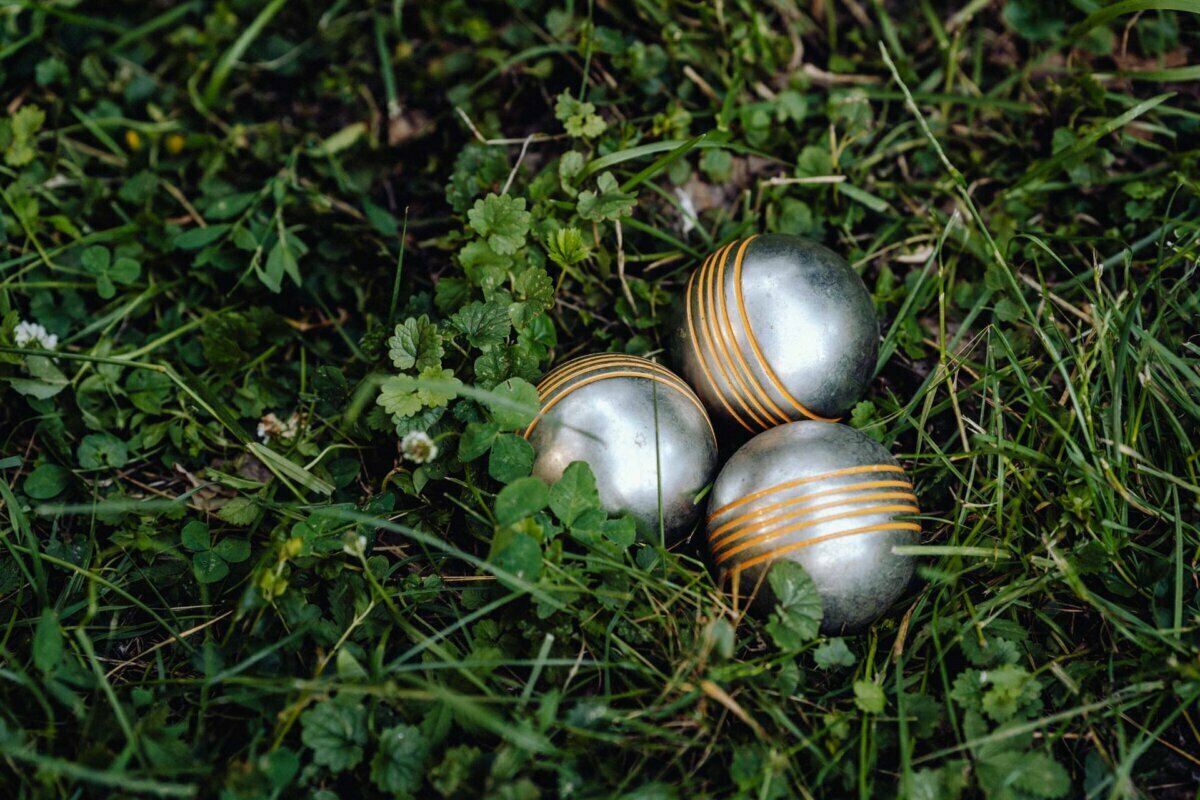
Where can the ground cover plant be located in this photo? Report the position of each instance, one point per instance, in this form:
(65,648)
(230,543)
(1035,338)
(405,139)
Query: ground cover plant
(277,278)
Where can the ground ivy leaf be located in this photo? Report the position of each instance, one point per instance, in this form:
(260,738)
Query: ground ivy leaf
(99,450)
(522,498)
(46,481)
(240,511)
(437,387)
(336,733)
(415,343)
(502,221)
(798,609)
(607,203)
(833,653)
(398,396)
(869,697)
(483,324)
(399,765)
(574,493)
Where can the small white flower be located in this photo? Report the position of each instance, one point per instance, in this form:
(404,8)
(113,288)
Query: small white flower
(272,427)
(354,544)
(418,447)
(31,333)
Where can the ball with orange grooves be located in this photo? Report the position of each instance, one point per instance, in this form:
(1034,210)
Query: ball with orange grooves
(641,429)
(827,497)
(776,329)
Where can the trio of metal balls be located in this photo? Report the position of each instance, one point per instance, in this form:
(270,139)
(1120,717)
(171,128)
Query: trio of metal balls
(777,337)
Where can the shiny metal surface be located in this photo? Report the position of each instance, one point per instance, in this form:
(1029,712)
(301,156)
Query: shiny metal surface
(642,430)
(775,329)
(826,496)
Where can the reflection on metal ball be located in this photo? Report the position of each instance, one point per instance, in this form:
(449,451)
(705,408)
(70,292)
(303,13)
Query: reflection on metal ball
(642,430)
(825,496)
(776,329)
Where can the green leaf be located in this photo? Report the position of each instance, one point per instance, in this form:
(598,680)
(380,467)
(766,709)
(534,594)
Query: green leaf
(101,450)
(1033,773)
(416,343)
(95,259)
(522,498)
(209,567)
(195,536)
(196,238)
(477,439)
(24,125)
(47,380)
(232,550)
(514,404)
(46,481)
(336,732)
(399,765)
(833,653)
(574,493)
(567,247)
(125,271)
(483,324)
(608,203)
(47,641)
(486,268)
(536,288)
(798,610)
(241,511)
(502,221)
(437,387)
(398,396)
(869,697)
(511,458)
(517,554)
(579,118)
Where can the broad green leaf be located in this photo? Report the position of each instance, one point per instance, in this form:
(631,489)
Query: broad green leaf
(398,396)
(869,697)
(608,202)
(399,765)
(798,610)
(415,343)
(833,653)
(102,450)
(511,458)
(502,221)
(522,498)
(483,324)
(336,732)
(195,536)
(476,439)
(196,238)
(46,481)
(209,567)
(574,493)
(517,554)
(514,404)
(232,550)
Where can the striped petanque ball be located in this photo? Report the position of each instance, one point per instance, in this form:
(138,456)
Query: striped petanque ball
(823,495)
(776,329)
(641,429)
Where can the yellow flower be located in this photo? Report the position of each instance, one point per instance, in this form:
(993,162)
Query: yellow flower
(175,143)
(133,139)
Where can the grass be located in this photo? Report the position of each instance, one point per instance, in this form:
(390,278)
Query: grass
(269,240)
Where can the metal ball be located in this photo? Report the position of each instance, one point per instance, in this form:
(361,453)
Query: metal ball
(640,428)
(825,496)
(776,329)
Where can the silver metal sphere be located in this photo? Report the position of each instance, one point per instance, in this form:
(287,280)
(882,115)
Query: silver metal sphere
(642,430)
(775,329)
(825,496)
